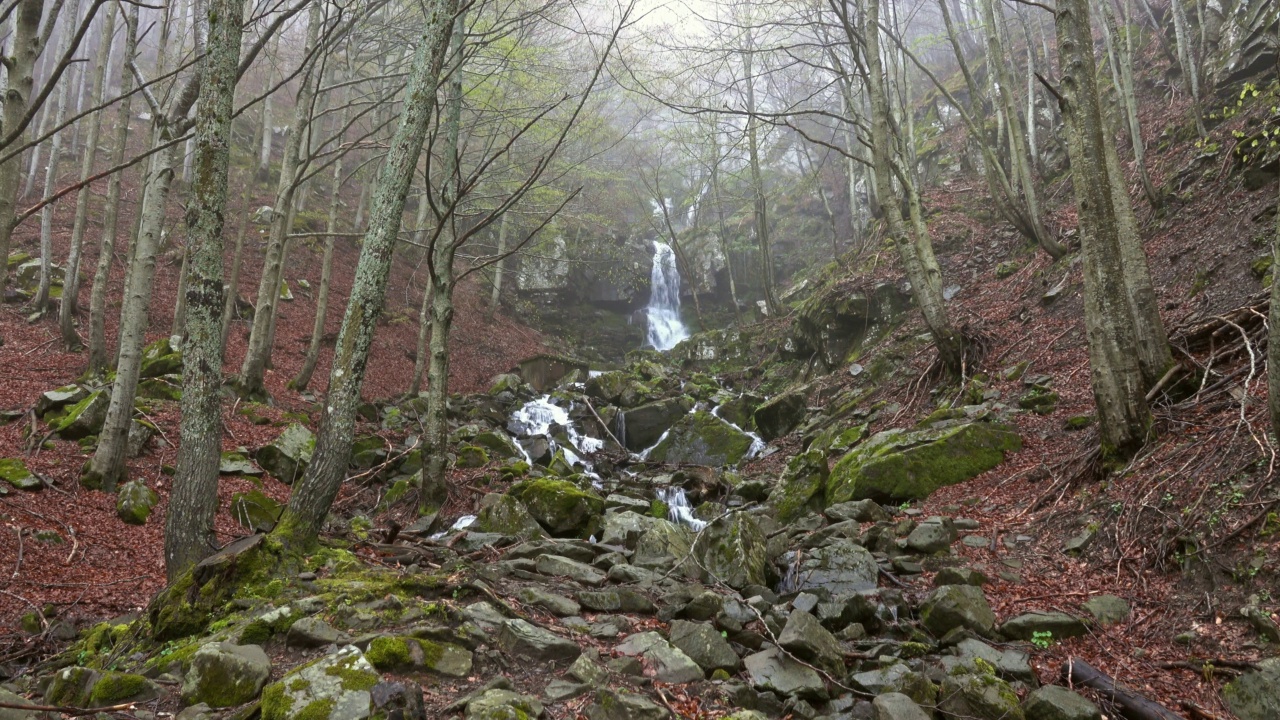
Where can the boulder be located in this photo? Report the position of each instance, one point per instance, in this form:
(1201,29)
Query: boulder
(642,426)
(500,704)
(557,605)
(71,686)
(1010,664)
(623,529)
(896,678)
(613,600)
(979,696)
(335,687)
(1053,702)
(557,566)
(1107,609)
(609,387)
(522,639)
(934,535)
(223,674)
(841,568)
(13,713)
(957,606)
(287,456)
(774,671)
(312,632)
(505,515)
(858,510)
(897,465)
(399,700)
(59,398)
(118,687)
(669,663)
(255,511)
(563,508)
(140,434)
(134,502)
(472,456)
(701,438)
(740,409)
(780,415)
(499,444)
(83,419)
(15,472)
(664,545)
(896,706)
(1255,695)
(159,358)
(1058,625)
(614,704)
(802,488)
(804,636)
(734,550)
(396,653)
(704,645)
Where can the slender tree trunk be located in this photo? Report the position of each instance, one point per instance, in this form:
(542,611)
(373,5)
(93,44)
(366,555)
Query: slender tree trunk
(759,201)
(722,231)
(1118,386)
(253,370)
(314,494)
(237,259)
(267,136)
(496,296)
(41,302)
(1122,61)
(926,288)
(424,336)
(1187,59)
(180,303)
(188,536)
(99,359)
(71,279)
(1273,318)
(284,263)
(21,71)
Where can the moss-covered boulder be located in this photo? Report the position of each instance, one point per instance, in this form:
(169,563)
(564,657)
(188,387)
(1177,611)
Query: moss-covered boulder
(472,456)
(957,606)
(287,456)
(161,388)
(739,410)
(701,438)
(499,704)
(642,426)
(51,400)
(15,472)
(83,419)
(981,696)
(498,444)
(802,488)
(911,464)
(395,653)
(255,510)
(335,687)
(367,451)
(223,674)
(609,387)
(1255,695)
(135,501)
(780,415)
(114,688)
(664,545)
(735,551)
(237,463)
(71,686)
(159,358)
(505,515)
(562,507)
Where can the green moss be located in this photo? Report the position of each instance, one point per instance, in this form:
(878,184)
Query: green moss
(659,509)
(315,710)
(116,686)
(1080,422)
(389,653)
(276,704)
(352,679)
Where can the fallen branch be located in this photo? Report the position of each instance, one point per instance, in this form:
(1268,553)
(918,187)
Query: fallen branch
(1131,704)
(70,711)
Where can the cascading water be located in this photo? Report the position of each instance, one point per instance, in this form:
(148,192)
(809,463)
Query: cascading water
(679,510)
(665,327)
(537,417)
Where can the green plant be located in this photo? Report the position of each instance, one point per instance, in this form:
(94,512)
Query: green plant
(1042,639)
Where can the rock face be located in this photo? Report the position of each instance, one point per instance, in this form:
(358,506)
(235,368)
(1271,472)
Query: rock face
(563,508)
(701,438)
(835,324)
(225,675)
(897,465)
(779,416)
(287,456)
(336,687)
(645,424)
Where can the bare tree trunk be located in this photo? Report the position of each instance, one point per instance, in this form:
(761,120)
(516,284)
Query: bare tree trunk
(722,231)
(268,133)
(1187,59)
(180,303)
(98,356)
(759,201)
(71,278)
(1273,320)
(1122,68)
(237,259)
(26,48)
(496,296)
(314,494)
(41,302)
(188,536)
(1118,386)
(253,370)
(424,336)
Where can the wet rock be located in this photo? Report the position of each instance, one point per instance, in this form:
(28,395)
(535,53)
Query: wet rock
(225,675)
(668,662)
(734,550)
(134,502)
(773,671)
(704,645)
(498,444)
(1060,625)
(287,456)
(522,639)
(779,416)
(839,568)
(563,508)
(898,464)
(804,636)
(701,438)
(739,410)
(645,424)
(1053,702)
(957,606)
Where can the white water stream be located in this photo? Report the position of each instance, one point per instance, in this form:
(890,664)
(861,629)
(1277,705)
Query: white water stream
(665,327)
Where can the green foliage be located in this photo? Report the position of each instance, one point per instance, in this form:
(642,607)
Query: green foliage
(1042,639)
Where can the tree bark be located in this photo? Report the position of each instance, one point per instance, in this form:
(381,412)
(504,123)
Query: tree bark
(71,279)
(237,259)
(1273,338)
(759,202)
(314,494)
(99,360)
(21,72)
(1118,387)
(1121,55)
(188,534)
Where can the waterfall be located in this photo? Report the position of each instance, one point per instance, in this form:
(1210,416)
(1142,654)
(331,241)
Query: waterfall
(665,328)
(679,510)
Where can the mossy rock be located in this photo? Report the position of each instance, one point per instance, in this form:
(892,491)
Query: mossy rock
(802,488)
(287,456)
(701,438)
(367,452)
(54,400)
(505,515)
(395,653)
(1255,695)
(71,686)
(83,419)
(159,358)
(160,389)
(1006,269)
(898,465)
(135,501)
(196,598)
(982,696)
(1080,422)
(335,687)
(237,463)
(1039,400)
(223,674)
(117,687)
(780,415)
(562,507)
(255,511)
(735,551)
(471,456)
(15,472)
